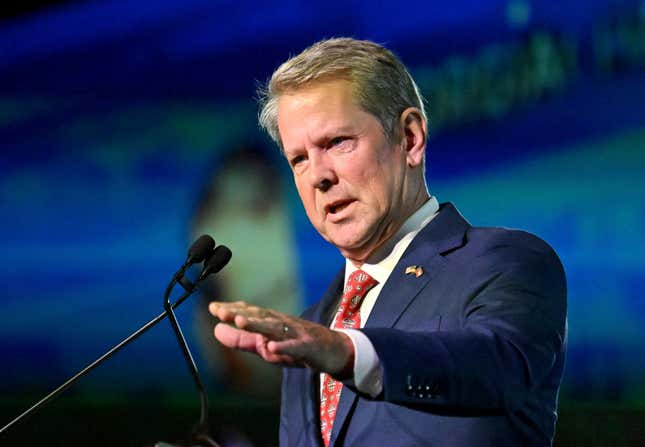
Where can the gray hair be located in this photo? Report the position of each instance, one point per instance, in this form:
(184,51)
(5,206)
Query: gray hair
(382,85)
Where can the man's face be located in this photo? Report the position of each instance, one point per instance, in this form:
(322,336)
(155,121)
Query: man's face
(352,181)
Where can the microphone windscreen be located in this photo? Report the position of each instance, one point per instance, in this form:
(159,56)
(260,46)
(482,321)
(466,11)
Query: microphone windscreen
(200,249)
(220,257)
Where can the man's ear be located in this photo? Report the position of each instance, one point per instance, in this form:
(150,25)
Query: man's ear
(414,133)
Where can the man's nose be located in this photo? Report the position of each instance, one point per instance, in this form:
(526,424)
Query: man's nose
(321,171)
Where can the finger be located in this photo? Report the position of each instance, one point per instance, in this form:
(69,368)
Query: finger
(291,348)
(296,348)
(212,308)
(229,310)
(221,311)
(251,311)
(215,306)
(245,341)
(272,357)
(284,360)
(270,327)
(236,338)
(268,322)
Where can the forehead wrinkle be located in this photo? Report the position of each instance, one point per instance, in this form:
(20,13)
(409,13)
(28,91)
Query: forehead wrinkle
(326,116)
(327,129)
(317,129)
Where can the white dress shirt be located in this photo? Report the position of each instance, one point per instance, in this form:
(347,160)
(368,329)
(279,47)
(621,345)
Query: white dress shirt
(368,377)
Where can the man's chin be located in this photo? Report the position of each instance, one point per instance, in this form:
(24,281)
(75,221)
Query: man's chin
(352,250)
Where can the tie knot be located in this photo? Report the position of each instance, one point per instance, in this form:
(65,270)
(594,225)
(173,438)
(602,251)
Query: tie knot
(360,279)
(358,284)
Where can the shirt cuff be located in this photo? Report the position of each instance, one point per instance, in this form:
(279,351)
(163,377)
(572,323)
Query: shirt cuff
(368,377)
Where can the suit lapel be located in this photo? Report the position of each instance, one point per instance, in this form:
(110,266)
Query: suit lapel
(310,409)
(444,233)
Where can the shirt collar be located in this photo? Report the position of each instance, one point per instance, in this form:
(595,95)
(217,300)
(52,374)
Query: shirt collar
(381,263)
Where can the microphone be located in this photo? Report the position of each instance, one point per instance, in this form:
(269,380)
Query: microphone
(198,251)
(216,261)
(201,249)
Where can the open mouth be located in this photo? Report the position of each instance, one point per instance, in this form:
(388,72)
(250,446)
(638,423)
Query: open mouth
(338,206)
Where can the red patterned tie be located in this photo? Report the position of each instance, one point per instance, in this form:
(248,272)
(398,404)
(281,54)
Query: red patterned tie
(347,317)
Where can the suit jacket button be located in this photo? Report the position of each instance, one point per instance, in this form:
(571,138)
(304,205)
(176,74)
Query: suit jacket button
(409,387)
(420,392)
(431,389)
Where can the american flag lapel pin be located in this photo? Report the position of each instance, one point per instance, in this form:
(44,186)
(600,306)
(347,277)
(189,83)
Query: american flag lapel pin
(417,270)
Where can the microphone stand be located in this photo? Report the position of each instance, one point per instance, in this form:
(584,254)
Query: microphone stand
(216,260)
(200,431)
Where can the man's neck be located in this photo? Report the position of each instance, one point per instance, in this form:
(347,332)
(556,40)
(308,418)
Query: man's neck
(413,222)
(392,229)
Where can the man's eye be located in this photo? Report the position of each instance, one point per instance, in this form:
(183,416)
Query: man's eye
(297,160)
(336,141)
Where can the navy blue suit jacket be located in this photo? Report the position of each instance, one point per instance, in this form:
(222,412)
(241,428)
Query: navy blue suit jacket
(472,351)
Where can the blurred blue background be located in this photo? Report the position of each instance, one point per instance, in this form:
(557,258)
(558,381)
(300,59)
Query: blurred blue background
(116,116)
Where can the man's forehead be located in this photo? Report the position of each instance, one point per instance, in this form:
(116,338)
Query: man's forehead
(338,88)
(318,82)
(318,111)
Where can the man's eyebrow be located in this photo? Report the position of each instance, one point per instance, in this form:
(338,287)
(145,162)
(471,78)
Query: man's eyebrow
(323,137)
(342,130)
(332,132)
(290,152)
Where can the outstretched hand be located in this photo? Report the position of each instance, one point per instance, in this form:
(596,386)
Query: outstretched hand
(282,339)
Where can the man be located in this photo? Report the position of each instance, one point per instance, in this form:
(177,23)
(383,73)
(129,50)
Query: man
(444,334)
